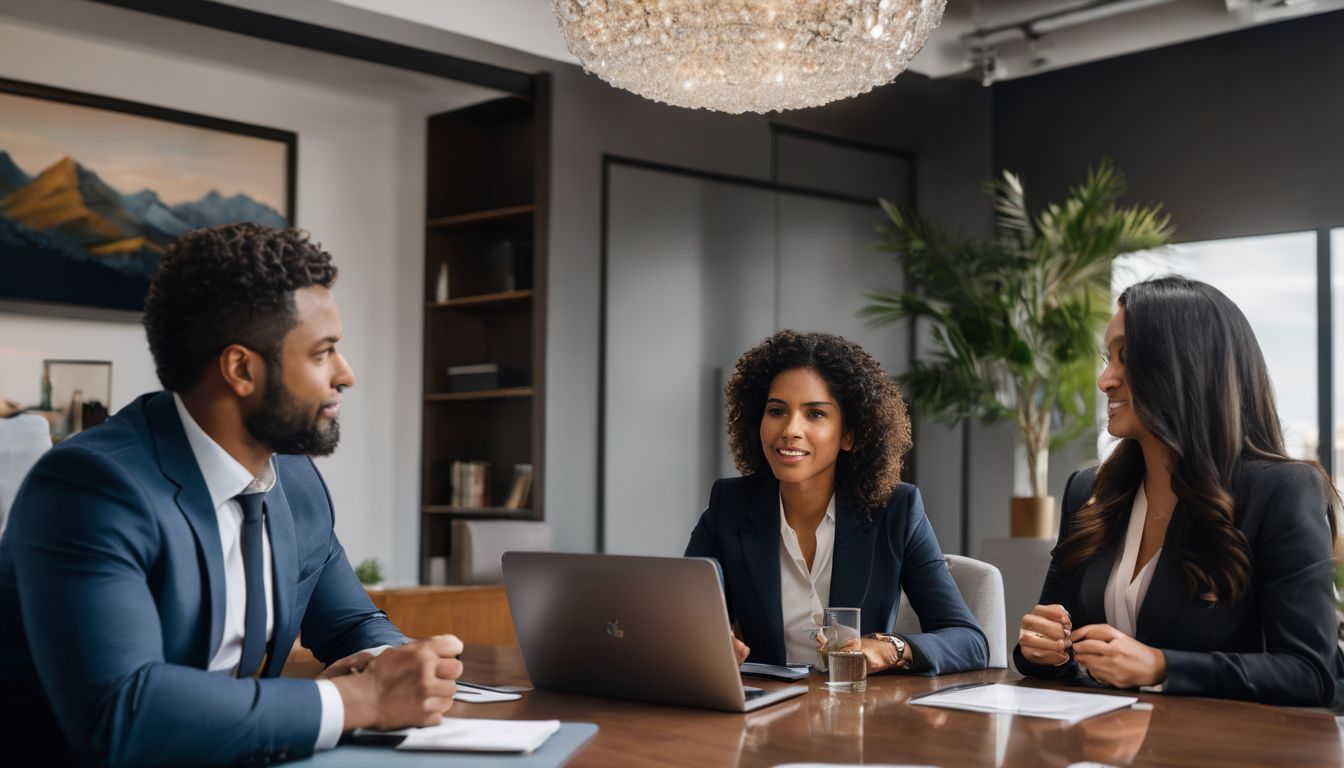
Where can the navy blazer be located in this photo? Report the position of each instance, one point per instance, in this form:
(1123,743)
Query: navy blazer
(1278,644)
(112,597)
(870,566)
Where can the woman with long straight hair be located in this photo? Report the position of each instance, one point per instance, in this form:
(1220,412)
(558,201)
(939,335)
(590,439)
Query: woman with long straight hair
(1197,559)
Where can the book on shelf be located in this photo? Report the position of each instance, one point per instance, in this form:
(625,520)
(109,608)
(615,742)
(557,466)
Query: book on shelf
(484,376)
(521,490)
(471,483)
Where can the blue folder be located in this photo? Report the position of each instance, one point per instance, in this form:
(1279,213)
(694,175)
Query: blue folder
(555,752)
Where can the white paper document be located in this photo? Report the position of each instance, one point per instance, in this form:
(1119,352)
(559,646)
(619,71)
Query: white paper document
(1032,702)
(464,734)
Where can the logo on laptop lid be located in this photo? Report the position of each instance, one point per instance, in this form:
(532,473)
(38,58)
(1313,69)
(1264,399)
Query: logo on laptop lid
(614,629)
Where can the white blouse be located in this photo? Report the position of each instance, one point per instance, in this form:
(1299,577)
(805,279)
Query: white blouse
(803,592)
(1124,596)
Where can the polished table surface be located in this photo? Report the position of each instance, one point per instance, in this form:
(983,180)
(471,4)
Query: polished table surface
(881,726)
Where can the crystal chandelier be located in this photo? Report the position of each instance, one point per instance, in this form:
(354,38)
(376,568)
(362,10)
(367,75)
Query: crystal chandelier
(746,55)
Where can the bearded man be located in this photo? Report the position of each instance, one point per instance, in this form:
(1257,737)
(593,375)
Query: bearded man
(157,568)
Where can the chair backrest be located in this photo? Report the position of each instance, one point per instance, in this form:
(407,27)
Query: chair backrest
(23,440)
(981,587)
(479,546)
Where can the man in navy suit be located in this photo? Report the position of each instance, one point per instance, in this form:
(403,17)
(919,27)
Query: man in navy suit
(157,568)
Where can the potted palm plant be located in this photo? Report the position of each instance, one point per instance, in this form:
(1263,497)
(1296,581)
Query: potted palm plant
(1016,317)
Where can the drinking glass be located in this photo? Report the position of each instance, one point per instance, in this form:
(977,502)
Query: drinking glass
(848,667)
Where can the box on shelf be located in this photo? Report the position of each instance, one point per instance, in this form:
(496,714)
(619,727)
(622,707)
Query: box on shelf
(484,376)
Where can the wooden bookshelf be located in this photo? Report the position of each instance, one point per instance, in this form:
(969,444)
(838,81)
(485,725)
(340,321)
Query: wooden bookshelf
(476,217)
(485,222)
(484,394)
(479,513)
(486,300)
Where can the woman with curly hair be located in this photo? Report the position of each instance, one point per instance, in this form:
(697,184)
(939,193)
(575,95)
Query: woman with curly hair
(1197,558)
(820,517)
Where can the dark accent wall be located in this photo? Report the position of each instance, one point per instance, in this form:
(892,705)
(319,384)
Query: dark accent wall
(1238,134)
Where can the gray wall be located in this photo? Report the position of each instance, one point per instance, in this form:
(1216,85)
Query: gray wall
(699,270)
(1237,135)
(947,125)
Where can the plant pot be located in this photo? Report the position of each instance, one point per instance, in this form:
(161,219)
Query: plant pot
(1034,517)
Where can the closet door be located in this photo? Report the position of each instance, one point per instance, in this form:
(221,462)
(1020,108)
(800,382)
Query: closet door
(827,260)
(690,285)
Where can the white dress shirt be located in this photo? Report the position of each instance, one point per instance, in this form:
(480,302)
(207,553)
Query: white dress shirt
(1124,595)
(803,592)
(224,479)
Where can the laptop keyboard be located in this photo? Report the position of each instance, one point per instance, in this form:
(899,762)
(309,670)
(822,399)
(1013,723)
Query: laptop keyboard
(753,693)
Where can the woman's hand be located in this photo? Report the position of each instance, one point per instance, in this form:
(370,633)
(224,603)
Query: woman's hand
(879,655)
(741,650)
(1112,657)
(1044,635)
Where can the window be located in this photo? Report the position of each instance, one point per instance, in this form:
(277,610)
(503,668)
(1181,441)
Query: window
(1273,280)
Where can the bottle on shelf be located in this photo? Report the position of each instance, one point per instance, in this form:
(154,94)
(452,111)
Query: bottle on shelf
(441,285)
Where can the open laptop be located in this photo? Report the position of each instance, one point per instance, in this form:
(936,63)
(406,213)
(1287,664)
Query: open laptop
(645,628)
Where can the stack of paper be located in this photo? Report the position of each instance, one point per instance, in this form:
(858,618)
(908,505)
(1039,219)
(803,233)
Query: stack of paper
(1033,702)
(462,734)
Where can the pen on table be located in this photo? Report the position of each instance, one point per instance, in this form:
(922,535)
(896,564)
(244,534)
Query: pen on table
(478,686)
(950,688)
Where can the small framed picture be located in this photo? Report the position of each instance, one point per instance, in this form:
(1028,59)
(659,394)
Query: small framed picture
(76,394)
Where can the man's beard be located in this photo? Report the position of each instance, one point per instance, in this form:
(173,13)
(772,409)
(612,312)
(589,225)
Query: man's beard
(286,426)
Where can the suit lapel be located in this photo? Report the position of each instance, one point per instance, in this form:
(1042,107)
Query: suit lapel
(178,464)
(1092,590)
(760,551)
(851,558)
(1167,591)
(285,565)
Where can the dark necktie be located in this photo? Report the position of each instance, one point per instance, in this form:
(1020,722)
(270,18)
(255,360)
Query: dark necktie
(254,624)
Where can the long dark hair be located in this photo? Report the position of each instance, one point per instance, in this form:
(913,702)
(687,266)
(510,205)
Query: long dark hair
(1198,382)
(870,406)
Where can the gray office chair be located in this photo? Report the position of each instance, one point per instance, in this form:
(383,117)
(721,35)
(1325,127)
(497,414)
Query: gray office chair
(479,547)
(981,587)
(23,440)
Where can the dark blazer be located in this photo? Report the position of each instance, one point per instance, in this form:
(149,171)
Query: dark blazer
(1276,645)
(112,598)
(870,566)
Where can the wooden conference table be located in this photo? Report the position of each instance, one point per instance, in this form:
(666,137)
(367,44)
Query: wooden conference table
(881,726)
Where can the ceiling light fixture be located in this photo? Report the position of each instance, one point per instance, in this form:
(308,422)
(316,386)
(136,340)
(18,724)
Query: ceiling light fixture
(746,55)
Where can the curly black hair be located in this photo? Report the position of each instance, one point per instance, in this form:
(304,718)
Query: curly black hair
(870,406)
(225,285)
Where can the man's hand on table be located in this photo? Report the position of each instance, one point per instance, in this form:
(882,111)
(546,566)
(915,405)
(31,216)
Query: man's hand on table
(408,686)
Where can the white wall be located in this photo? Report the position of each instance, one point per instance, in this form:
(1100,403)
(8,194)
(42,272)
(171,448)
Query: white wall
(360,193)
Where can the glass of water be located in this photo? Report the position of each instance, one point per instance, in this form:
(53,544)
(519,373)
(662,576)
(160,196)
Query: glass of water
(848,667)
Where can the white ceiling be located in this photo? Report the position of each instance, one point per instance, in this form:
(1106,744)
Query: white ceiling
(94,21)
(529,25)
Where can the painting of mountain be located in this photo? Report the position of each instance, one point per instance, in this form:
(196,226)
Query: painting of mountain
(11,176)
(93,191)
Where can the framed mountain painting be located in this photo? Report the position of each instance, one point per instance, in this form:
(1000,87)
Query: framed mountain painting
(93,191)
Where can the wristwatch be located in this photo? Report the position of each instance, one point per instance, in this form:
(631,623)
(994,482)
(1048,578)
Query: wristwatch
(902,662)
